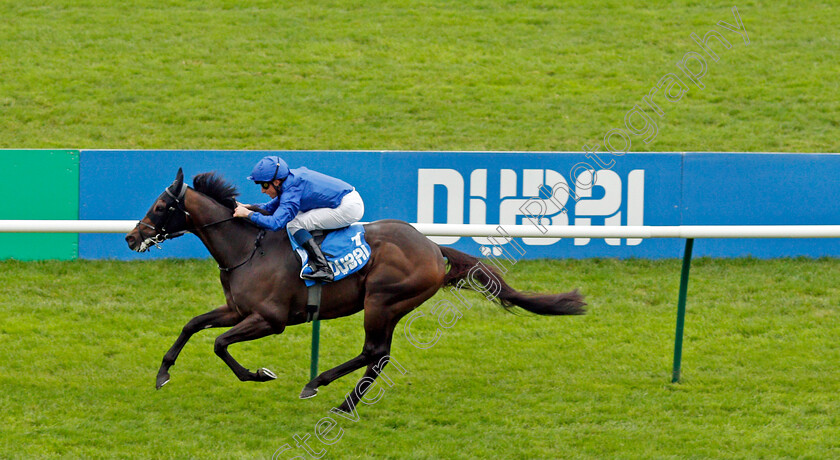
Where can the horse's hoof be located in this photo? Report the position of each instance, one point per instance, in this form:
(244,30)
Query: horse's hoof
(265,375)
(345,408)
(308,393)
(161,381)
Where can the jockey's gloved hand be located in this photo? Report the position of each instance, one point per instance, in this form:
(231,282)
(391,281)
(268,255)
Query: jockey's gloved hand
(241,211)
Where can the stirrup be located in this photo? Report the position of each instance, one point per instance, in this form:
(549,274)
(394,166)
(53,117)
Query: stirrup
(320,276)
(321,271)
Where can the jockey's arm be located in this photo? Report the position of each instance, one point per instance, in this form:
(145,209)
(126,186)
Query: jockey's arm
(282,210)
(271,206)
(243,210)
(253,207)
(256,208)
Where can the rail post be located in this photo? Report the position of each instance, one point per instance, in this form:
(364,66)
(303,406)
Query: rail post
(316,337)
(678,337)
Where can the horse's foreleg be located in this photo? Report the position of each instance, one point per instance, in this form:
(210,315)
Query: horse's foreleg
(251,328)
(223,316)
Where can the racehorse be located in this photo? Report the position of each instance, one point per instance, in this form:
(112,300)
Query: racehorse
(264,293)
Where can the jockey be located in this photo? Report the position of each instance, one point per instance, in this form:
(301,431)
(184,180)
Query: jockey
(303,200)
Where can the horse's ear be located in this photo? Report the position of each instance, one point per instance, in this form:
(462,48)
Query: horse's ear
(177,188)
(179,181)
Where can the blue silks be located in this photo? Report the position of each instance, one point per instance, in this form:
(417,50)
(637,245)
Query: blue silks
(346,251)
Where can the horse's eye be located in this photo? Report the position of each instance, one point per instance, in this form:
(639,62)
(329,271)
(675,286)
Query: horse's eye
(160,208)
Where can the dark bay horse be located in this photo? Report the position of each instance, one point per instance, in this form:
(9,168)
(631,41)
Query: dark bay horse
(264,293)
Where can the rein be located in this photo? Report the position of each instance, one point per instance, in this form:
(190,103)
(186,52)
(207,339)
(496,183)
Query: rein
(161,235)
(157,239)
(257,246)
(215,223)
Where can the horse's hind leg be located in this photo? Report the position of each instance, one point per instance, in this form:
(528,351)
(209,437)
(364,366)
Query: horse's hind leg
(324,379)
(390,295)
(381,317)
(251,328)
(374,340)
(380,321)
(223,316)
(374,370)
(379,327)
(377,351)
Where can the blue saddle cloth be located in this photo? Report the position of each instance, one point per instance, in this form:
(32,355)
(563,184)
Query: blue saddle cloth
(346,251)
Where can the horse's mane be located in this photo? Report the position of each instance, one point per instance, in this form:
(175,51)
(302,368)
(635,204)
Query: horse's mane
(216,187)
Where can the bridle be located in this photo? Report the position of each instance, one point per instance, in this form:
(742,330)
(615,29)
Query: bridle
(161,234)
(159,227)
(177,204)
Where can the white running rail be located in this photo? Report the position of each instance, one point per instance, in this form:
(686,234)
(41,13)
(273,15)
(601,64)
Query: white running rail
(470,230)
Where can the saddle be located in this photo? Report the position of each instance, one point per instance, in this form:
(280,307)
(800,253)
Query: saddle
(346,251)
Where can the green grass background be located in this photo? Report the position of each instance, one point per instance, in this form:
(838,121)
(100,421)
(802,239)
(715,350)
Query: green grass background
(468,75)
(81,341)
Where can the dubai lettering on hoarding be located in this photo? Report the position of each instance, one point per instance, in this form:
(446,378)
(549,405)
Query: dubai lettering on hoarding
(537,196)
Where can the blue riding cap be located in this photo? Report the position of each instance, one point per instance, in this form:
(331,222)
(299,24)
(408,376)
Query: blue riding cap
(268,169)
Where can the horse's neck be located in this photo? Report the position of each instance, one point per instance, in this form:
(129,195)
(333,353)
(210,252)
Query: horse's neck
(228,241)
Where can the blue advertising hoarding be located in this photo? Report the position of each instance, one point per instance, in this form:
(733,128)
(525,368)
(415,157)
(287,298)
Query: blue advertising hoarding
(507,188)
(762,189)
(121,185)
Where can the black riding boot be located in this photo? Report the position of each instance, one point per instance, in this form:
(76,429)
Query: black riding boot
(321,271)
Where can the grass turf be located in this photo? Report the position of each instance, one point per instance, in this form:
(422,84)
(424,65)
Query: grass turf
(82,342)
(471,75)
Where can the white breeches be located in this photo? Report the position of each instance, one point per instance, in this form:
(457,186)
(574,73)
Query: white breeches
(350,211)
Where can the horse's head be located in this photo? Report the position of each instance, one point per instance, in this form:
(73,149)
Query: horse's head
(166,219)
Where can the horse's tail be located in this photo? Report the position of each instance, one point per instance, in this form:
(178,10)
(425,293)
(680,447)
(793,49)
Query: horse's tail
(470,272)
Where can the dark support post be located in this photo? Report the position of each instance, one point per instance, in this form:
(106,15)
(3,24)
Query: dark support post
(316,334)
(678,339)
